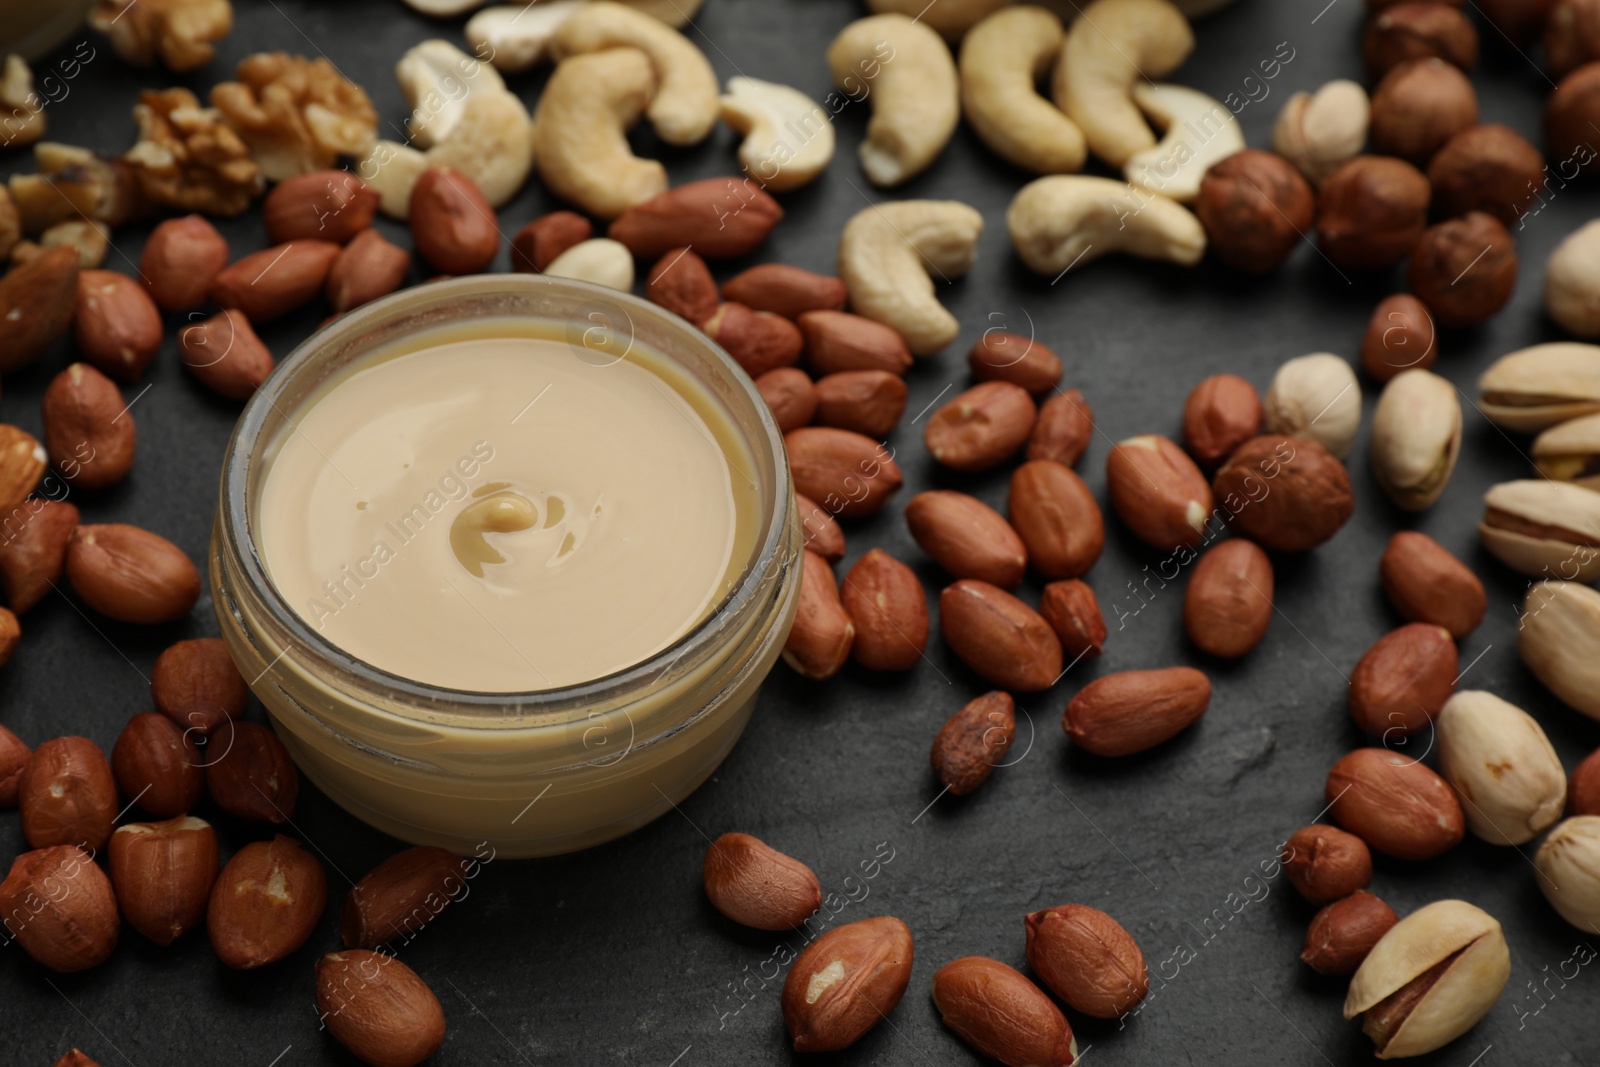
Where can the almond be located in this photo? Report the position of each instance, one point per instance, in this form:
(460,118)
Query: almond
(60,907)
(325,205)
(1425,583)
(845,981)
(1222,413)
(370,266)
(1002,356)
(225,355)
(401,895)
(1341,934)
(1056,516)
(848,474)
(885,601)
(33,550)
(180,262)
(819,642)
(682,283)
(973,742)
(1158,492)
(821,530)
(271,283)
(790,396)
(22,462)
(252,777)
(1121,714)
(967,537)
(1228,604)
(89,432)
(116,326)
(1001,1014)
(981,428)
(867,401)
(163,873)
(378,1008)
(1003,640)
(131,575)
(1073,612)
(1287,494)
(839,341)
(1324,863)
(1395,804)
(537,244)
(758,341)
(755,885)
(196,684)
(157,766)
(14,754)
(265,904)
(67,795)
(453,225)
(785,290)
(1063,428)
(1088,959)
(720,218)
(1402,682)
(37,299)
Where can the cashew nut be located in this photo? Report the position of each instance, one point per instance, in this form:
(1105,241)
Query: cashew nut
(599,260)
(1001,59)
(1060,221)
(1572,282)
(1199,131)
(951,18)
(1113,45)
(391,169)
(788,137)
(1320,132)
(580,132)
(675,13)
(492,144)
(438,79)
(887,254)
(685,106)
(905,70)
(516,37)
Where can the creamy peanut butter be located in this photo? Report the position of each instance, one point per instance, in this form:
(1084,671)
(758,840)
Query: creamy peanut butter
(489,509)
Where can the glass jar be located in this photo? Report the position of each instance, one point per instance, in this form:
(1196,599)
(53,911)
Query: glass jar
(526,774)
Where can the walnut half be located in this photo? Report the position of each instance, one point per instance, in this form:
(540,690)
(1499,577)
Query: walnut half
(296,114)
(189,158)
(178,32)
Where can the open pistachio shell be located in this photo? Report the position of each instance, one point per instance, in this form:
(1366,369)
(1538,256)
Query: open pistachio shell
(1570,452)
(1537,387)
(1559,639)
(1543,529)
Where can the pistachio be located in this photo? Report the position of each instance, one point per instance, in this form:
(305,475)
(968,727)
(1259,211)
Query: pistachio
(1559,639)
(1569,861)
(1509,777)
(1535,388)
(1316,397)
(1429,979)
(1543,529)
(1416,437)
(1570,452)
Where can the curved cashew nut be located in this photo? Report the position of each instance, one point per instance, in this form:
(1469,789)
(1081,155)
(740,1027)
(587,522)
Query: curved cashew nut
(686,105)
(438,79)
(580,132)
(492,144)
(515,37)
(950,18)
(886,255)
(1001,59)
(1113,45)
(788,137)
(905,70)
(1199,132)
(1060,221)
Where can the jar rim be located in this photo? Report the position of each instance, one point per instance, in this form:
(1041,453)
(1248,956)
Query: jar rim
(253,433)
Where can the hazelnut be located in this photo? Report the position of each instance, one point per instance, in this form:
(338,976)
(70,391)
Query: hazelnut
(1417,31)
(1326,863)
(1520,21)
(1571,114)
(1418,106)
(1255,207)
(1489,168)
(1371,211)
(1572,36)
(1464,269)
(1400,337)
